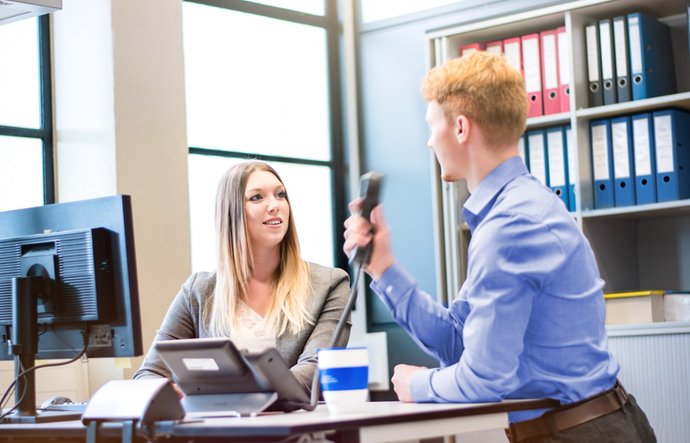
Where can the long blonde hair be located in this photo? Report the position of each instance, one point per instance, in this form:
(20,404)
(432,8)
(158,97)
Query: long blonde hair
(288,308)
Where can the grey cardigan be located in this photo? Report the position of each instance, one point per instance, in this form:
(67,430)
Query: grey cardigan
(329,295)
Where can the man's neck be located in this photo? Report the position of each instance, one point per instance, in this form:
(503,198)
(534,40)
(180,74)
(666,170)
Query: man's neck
(485,160)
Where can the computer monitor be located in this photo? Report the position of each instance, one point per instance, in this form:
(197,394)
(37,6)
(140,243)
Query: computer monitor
(67,281)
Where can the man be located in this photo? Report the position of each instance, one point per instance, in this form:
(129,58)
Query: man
(529,319)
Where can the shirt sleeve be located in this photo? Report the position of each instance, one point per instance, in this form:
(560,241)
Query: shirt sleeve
(511,260)
(435,328)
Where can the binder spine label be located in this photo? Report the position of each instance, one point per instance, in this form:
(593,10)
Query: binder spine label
(606,56)
(619,41)
(600,155)
(621,162)
(635,45)
(571,155)
(663,137)
(512,53)
(592,54)
(530,60)
(643,163)
(554,140)
(550,71)
(563,58)
(537,162)
(521,150)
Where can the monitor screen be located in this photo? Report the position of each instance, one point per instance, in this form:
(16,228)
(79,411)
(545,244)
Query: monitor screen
(68,279)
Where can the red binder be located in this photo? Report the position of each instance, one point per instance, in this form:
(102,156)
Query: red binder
(531,67)
(564,68)
(495,47)
(512,48)
(470,48)
(549,71)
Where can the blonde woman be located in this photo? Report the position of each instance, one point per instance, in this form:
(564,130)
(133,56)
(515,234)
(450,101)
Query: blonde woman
(262,290)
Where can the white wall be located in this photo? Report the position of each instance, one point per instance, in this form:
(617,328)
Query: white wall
(118,72)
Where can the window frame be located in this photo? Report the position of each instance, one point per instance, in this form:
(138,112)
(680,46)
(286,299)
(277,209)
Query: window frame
(330,23)
(45,131)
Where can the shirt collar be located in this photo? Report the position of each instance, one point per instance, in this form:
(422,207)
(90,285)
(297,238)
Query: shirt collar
(480,201)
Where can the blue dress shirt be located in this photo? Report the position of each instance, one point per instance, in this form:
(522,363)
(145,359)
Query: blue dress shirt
(529,319)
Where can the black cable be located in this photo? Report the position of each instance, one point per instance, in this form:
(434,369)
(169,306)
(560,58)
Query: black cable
(23,372)
(351,299)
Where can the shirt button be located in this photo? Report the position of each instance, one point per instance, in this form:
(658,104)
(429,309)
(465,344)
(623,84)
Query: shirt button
(389,289)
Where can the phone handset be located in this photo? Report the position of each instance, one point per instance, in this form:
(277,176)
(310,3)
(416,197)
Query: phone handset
(369,191)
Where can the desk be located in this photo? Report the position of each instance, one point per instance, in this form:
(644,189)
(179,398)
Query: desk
(380,422)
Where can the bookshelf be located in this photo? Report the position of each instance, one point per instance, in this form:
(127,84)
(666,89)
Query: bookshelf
(637,247)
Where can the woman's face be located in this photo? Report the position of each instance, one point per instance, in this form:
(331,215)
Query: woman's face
(266,208)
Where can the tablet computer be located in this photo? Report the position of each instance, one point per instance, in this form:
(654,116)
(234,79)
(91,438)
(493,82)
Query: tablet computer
(212,371)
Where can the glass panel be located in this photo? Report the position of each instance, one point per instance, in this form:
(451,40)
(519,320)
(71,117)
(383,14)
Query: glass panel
(255,84)
(373,10)
(21,172)
(19,74)
(309,188)
(316,7)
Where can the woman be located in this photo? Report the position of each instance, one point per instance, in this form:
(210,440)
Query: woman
(262,290)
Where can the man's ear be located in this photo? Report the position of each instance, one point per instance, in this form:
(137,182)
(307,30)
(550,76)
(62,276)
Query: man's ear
(462,128)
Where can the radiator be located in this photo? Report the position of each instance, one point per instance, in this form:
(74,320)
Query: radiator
(655,368)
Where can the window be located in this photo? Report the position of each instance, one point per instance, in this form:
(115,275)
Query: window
(261,83)
(316,7)
(26,152)
(374,10)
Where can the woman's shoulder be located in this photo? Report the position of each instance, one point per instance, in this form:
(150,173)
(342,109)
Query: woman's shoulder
(317,270)
(325,274)
(201,284)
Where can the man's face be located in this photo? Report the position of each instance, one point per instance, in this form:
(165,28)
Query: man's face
(444,142)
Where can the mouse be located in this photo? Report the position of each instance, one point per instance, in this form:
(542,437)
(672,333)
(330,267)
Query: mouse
(55,400)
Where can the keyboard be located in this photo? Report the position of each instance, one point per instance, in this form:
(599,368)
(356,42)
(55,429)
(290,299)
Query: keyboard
(70,406)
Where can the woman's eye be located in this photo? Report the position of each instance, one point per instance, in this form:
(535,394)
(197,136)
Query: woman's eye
(255,198)
(281,194)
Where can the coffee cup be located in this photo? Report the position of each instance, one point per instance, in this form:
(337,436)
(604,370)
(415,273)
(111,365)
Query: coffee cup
(344,376)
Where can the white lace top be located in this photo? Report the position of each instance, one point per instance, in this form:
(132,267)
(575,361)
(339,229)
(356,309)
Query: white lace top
(253,334)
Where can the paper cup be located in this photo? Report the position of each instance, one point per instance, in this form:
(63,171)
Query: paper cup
(344,376)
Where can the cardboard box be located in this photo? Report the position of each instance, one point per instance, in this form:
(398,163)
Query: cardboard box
(634,307)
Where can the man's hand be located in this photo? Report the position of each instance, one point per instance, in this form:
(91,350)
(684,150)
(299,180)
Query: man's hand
(178,391)
(402,375)
(359,232)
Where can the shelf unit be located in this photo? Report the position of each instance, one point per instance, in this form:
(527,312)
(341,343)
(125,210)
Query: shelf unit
(637,247)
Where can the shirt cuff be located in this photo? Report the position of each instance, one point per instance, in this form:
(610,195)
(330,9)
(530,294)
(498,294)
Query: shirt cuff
(393,284)
(419,385)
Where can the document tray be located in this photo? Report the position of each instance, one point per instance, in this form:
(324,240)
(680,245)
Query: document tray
(219,380)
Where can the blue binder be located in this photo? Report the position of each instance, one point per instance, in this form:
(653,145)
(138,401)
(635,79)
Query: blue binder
(522,150)
(651,57)
(572,171)
(623,170)
(538,161)
(602,165)
(672,143)
(645,158)
(558,162)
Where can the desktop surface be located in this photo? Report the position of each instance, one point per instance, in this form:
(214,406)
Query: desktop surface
(380,421)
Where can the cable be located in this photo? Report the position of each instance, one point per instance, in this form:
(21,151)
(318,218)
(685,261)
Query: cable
(23,372)
(351,299)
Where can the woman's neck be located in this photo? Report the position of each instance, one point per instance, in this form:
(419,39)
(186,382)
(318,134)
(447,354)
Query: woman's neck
(265,263)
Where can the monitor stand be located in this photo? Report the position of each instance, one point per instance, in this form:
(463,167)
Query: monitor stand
(24,345)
